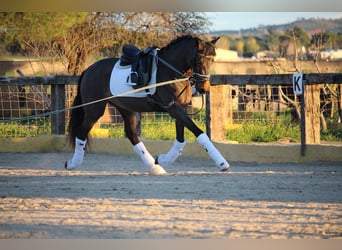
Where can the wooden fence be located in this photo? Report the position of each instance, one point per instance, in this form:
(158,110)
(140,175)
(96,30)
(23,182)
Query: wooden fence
(58,94)
(221,103)
(309,100)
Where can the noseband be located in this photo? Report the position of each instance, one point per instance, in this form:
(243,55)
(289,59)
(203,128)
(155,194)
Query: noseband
(198,76)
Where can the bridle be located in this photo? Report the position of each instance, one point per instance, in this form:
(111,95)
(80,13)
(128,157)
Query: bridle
(196,61)
(193,79)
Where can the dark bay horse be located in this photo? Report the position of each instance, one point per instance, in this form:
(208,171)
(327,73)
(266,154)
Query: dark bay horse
(182,55)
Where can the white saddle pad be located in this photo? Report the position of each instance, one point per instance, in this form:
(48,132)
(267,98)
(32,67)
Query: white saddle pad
(120,81)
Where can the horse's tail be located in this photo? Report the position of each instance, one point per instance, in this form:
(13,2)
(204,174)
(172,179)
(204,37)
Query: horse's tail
(76,116)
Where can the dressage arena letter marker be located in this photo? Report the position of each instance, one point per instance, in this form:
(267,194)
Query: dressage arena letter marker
(297,81)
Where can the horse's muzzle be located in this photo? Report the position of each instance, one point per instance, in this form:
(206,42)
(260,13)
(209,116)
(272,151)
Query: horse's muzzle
(201,82)
(203,87)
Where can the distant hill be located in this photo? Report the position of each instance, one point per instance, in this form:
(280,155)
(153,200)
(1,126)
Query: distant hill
(309,25)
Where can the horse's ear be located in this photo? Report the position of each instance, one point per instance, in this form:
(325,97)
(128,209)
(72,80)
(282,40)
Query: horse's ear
(215,40)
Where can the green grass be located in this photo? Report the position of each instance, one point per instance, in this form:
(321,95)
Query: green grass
(25,129)
(332,135)
(261,129)
(265,127)
(264,132)
(156,129)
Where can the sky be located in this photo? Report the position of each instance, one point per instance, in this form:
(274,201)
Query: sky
(245,20)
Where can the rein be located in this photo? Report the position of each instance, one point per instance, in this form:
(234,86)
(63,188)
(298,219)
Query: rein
(202,106)
(168,65)
(195,76)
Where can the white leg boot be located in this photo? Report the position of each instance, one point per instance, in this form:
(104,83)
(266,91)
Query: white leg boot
(172,155)
(148,159)
(77,158)
(214,154)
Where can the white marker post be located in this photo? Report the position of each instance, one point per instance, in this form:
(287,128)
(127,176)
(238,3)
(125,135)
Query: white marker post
(298,89)
(297,81)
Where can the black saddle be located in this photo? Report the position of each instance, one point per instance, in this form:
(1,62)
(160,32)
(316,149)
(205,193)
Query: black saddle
(141,61)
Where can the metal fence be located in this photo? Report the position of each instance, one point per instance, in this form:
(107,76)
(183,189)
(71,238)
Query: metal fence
(26,103)
(27,106)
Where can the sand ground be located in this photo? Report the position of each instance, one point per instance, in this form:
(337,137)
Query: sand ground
(112,196)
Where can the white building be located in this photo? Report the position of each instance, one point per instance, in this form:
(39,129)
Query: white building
(224,55)
(331,54)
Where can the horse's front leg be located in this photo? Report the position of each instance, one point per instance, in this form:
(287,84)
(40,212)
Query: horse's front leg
(214,154)
(138,146)
(177,148)
(179,114)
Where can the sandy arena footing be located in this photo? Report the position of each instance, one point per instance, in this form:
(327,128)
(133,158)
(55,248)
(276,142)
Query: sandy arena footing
(112,196)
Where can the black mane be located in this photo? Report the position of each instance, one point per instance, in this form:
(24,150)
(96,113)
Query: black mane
(179,39)
(208,48)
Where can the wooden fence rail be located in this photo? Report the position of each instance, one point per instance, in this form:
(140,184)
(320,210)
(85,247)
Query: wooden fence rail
(219,99)
(275,80)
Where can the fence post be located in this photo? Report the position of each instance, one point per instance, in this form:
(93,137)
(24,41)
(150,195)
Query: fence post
(207,114)
(302,124)
(220,111)
(339,101)
(58,103)
(312,114)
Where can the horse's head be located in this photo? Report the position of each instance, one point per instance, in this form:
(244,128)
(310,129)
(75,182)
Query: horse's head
(190,54)
(203,59)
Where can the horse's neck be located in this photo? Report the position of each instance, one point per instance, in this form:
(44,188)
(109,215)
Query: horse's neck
(183,93)
(178,58)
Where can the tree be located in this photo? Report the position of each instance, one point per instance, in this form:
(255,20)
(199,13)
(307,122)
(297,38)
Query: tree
(240,47)
(332,40)
(272,39)
(33,31)
(251,45)
(223,43)
(86,38)
(75,37)
(299,39)
(189,22)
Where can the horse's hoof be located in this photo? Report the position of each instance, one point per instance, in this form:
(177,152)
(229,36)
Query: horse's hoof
(157,170)
(225,169)
(69,166)
(162,160)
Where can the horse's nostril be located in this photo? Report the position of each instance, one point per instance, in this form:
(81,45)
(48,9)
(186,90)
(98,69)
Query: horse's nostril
(206,86)
(203,87)
(201,90)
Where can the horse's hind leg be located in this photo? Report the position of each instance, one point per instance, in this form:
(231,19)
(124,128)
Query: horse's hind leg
(77,158)
(138,146)
(92,114)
